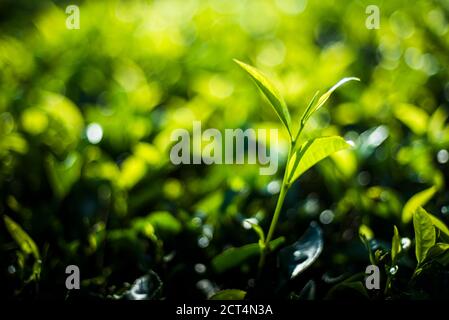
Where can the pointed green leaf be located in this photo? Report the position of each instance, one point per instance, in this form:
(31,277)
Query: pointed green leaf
(307,112)
(425,235)
(366,232)
(322,100)
(437,125)
(312,152)
(366,235)
(233,257)
(26,244)
(367,243)
(229,294)
(22,238)
(270,92)
(418,200)
(395,246)
(437,223)
(304,115)
(440,253)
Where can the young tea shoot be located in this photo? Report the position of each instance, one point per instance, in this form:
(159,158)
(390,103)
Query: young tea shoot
(303,154)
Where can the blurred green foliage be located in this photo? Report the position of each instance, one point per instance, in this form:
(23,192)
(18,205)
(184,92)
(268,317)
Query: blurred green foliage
(85,121)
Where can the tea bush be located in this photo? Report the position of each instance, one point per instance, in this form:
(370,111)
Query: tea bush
(86,179)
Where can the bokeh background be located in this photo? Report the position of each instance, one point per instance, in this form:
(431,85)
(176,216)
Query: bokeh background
(86,117)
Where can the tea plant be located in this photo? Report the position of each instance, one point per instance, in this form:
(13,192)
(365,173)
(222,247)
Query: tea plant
(431,253)
(86,178)
(302,155)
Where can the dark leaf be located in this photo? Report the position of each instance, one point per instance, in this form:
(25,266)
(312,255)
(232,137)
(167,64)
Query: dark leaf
(300,255)
(229,294)
(233,257)
(145,288)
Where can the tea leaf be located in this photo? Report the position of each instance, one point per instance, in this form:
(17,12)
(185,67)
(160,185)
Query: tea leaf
(233,257)
(145,288)
(425,235)
(229,294)
(26,244)
(418,200)
(304,117)
(22,238)
(436,125)
(297,257)
(312,108)
(440,253)
(439,224)
(413,117)
(162,221)
(312,152)
(270,92)
(366,232)
(395,246)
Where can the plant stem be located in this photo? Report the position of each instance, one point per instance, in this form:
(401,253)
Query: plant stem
(276,213)
(284,188)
